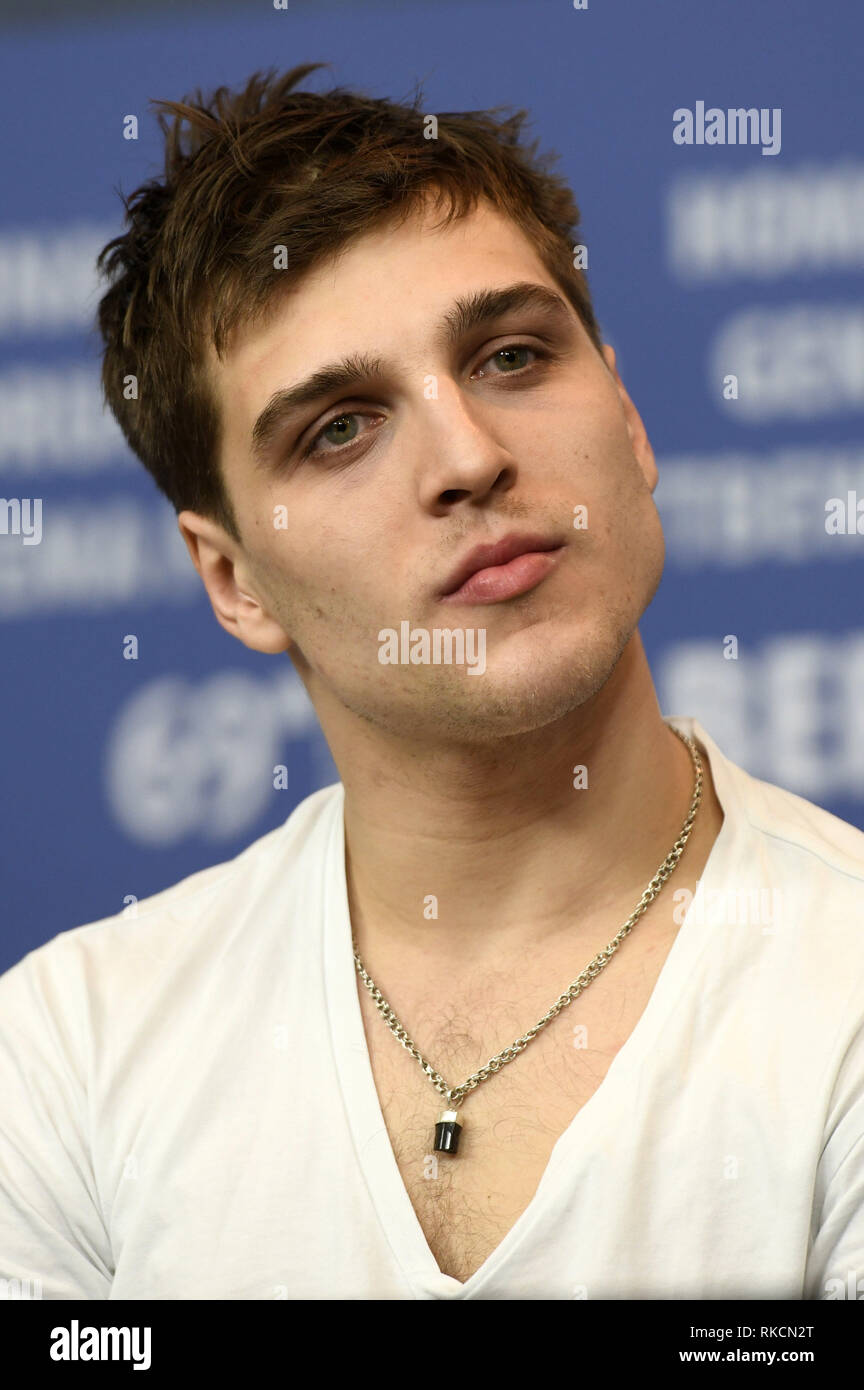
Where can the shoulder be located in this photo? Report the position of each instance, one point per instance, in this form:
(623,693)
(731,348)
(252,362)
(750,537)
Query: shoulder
(179,924)
(789,876)
(807,844)
(796,838)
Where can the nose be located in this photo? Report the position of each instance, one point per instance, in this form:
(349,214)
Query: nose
(460,459)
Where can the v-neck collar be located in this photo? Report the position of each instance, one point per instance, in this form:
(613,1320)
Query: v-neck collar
(374,1150)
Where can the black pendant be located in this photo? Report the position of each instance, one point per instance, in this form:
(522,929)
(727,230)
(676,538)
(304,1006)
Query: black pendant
(448,1132)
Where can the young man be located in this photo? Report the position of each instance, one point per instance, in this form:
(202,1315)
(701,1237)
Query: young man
(372,384)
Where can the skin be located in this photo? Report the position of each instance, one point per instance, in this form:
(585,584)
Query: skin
(458,785)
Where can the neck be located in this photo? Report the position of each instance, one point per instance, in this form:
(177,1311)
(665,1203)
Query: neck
(492,850)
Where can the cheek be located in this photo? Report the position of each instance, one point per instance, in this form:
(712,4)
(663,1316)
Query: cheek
(624,529)
(585,440)
(317,582)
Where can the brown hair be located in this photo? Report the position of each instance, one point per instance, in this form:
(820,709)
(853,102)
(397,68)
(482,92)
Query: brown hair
(267,166)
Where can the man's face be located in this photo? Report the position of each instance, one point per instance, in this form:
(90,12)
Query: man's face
(365,501)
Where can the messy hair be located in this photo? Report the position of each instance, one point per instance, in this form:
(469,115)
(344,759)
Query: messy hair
(266,166)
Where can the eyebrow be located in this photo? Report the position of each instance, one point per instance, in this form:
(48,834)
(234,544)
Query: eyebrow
(345,376)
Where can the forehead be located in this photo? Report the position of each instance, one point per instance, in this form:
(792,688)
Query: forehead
(382,294)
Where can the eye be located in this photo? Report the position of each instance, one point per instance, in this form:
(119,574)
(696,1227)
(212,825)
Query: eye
(345,427)
(340,432)
(511,359)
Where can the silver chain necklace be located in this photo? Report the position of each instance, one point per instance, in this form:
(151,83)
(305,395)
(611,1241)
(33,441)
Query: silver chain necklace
(448,1129)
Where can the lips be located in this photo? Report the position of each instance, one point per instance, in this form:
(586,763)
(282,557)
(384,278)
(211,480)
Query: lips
(484,557)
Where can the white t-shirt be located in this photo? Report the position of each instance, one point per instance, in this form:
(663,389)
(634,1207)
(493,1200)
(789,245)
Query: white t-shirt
(189,1111)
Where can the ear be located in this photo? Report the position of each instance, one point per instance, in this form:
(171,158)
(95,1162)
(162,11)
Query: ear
(218,558)
(642,450)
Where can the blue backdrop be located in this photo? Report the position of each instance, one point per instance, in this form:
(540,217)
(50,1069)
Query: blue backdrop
(728,280)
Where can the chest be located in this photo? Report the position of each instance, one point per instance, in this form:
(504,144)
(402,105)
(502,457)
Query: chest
(467,1203)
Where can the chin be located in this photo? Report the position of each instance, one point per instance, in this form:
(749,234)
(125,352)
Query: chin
(504,710)
(521,692)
